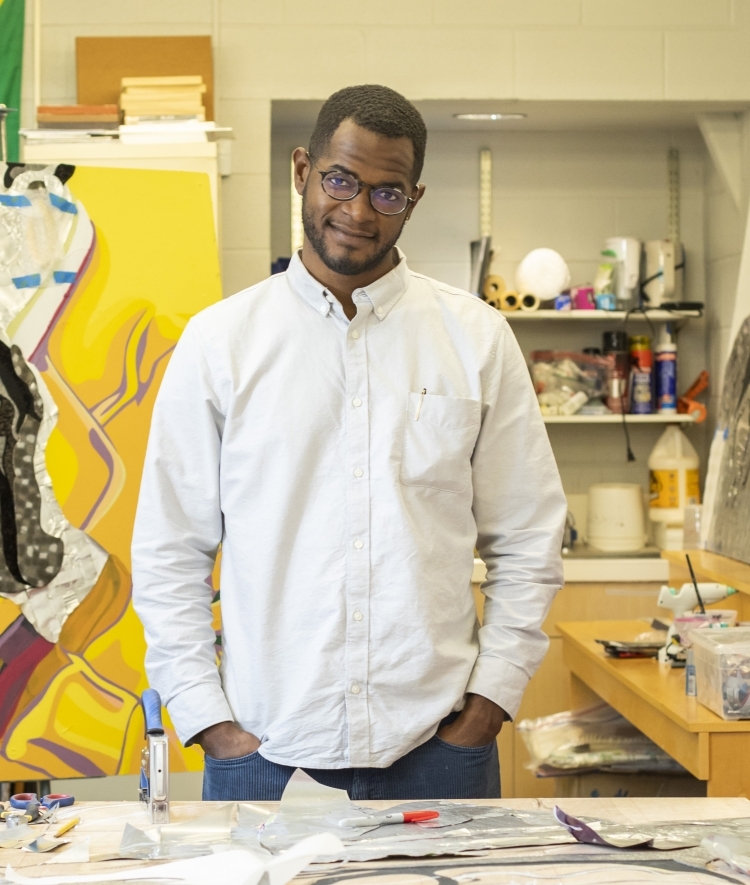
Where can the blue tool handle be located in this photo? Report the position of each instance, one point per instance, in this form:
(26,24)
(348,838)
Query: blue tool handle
(58,800)
(152,711)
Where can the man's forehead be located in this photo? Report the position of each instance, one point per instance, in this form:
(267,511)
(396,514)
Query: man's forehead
(367,152)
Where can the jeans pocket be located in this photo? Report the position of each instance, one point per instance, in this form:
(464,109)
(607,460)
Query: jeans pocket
(232,762)
(477,751)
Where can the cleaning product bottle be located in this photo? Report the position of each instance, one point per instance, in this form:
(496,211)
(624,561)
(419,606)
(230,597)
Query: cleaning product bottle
(675,482)
(666,373)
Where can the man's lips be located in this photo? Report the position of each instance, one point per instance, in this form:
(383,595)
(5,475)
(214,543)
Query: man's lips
(349,234)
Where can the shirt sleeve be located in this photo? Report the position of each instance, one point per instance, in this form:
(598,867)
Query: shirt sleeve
(520,511)
(178,529)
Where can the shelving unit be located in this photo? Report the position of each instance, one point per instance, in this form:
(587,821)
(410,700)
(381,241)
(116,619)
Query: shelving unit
(658,316)
(613,317)
(617,419)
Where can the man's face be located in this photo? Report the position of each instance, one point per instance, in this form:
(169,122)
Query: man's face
(351,237)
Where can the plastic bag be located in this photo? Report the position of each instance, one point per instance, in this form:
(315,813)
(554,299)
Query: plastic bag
(190,838)
(565,381)
(595,739)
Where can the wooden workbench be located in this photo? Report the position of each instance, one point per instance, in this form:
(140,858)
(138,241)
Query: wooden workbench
(103,823)
(652,697)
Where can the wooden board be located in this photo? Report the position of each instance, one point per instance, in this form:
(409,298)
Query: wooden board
(101,62)
(711,567)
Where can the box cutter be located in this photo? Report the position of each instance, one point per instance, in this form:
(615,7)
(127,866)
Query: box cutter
(154,784)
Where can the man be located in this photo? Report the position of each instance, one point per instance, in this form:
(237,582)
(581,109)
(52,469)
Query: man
(347,431)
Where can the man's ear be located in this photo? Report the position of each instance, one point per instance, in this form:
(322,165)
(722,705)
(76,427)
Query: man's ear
(412,206)
(302,166)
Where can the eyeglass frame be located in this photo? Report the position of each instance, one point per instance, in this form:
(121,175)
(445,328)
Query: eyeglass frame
(360,185)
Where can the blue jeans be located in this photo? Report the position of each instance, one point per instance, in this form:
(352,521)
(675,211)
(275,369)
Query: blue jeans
(434,770)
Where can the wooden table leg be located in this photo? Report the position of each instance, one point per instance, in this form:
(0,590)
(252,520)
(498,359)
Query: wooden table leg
(581,696)
(729,772)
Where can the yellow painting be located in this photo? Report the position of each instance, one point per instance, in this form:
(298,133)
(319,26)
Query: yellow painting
(100,271)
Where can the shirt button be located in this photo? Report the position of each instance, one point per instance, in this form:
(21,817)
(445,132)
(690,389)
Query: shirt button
(356,402)
(379,311)
(355,334)
(358,616)
(324,309)
(357,472)
(359,544)
(355,688)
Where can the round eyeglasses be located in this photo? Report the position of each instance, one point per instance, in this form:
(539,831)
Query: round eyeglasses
(343,186)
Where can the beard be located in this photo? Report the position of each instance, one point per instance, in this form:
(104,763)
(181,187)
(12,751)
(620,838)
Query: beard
(342,264)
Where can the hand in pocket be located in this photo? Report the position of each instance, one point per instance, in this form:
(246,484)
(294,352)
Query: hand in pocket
(226,740)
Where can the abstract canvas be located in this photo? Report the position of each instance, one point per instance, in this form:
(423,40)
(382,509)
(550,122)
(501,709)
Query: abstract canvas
(100,270)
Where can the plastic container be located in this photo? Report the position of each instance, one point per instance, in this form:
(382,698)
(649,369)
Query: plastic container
(722,670)
(615,517)
(713,619)
(675,478)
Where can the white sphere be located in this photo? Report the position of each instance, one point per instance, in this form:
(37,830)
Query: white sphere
(544,273)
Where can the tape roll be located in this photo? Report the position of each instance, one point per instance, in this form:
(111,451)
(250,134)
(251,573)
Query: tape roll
(529,302)
(510,301)
(493,287)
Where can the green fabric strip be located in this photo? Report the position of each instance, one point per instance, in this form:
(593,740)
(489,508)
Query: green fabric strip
(11,59)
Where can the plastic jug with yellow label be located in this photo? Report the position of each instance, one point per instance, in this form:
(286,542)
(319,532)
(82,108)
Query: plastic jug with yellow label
(675,477)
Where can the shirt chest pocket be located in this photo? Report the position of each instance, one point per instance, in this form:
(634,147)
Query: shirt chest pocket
(439,437)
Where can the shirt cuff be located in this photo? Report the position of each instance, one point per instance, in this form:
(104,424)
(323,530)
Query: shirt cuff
(498,681)
(197,708)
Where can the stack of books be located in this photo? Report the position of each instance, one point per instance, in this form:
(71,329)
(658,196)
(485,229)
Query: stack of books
(152,99)
(78,116)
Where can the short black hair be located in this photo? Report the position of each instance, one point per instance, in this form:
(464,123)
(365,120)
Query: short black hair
(376,108)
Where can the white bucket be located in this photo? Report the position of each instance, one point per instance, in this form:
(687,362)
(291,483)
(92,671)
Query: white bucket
(616,522)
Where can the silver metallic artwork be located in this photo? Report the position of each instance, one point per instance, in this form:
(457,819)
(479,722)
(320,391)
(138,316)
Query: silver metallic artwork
(731,516)
(47,567)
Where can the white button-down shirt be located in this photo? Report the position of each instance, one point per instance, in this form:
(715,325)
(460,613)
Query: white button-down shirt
(347,469)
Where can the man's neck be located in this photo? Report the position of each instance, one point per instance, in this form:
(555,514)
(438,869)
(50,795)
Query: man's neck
(342,286)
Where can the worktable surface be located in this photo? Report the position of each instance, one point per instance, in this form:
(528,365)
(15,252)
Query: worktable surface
(661,686)
(103,823)
(652,696)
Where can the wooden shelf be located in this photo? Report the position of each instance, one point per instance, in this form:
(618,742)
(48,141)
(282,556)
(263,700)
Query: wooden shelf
(659,316)
(617,419)
(713,567)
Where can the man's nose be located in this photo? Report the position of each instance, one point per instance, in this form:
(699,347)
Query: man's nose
(360,208)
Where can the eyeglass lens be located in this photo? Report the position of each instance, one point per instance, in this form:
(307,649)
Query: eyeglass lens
(386,200)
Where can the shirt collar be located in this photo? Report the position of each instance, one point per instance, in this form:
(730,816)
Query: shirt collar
(383,293)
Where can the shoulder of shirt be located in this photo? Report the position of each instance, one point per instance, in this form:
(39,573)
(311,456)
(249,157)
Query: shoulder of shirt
(214,322)
(463,300)
(235,306)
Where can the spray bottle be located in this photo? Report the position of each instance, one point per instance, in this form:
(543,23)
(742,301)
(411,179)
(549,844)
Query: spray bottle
(666,373)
